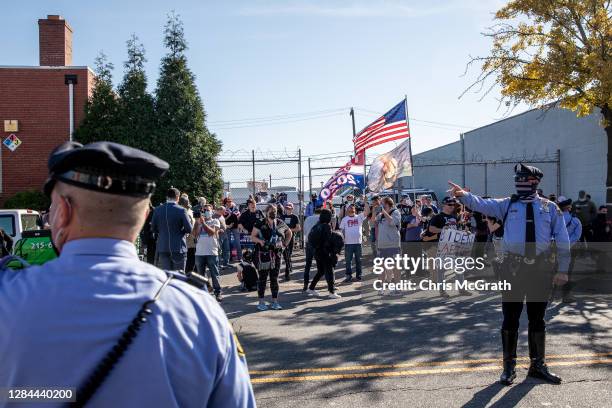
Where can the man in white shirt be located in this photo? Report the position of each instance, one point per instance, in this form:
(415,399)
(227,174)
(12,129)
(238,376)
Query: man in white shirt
(351,226)
(206,229)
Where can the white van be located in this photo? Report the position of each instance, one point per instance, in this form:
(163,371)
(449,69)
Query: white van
(14,222)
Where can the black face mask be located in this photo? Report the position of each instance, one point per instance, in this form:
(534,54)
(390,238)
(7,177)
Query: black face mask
(272,215)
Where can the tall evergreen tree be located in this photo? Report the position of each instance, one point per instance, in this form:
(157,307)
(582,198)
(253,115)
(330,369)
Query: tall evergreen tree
(182,138)
(101,110)
(136,107)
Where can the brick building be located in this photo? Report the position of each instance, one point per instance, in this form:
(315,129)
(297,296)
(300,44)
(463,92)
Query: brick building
(41,106)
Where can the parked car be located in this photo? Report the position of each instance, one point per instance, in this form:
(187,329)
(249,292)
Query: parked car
(14,222)
(413,193)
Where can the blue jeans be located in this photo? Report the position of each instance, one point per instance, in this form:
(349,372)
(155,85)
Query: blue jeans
(373,241)
(210,261)
(235,242)
(351,250)
(172,261)
(224,244)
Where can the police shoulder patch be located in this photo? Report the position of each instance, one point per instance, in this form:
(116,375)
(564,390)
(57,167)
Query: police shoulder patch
(555,206)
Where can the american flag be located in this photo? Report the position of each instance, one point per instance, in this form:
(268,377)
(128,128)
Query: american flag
(390,126)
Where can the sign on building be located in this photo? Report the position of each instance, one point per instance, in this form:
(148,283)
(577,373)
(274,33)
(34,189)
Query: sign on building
(12,142)
(11,126)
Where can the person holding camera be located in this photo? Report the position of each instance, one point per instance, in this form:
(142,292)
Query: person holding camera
(271,236)
(206,230)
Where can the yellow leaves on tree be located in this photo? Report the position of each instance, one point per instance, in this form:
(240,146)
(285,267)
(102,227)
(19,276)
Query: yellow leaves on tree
(553,50)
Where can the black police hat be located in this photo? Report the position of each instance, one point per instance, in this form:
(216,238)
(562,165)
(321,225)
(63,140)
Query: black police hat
(524,170)
(563,201)
(106,167)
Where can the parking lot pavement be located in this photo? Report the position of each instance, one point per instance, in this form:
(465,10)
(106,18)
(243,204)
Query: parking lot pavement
(412,350)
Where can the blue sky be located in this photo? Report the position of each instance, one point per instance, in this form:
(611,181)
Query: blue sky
(263,58)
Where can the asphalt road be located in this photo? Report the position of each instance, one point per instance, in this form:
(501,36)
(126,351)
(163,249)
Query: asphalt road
(415,350)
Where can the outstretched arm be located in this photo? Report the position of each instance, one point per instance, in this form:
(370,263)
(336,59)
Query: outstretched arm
(488,206)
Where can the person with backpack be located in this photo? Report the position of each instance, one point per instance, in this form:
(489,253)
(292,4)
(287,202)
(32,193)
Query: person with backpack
(327,245)
(247,273)
(271,236)
(309,224)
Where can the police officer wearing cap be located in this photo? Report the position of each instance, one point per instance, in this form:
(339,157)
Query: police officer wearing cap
(531,223)
(120,331)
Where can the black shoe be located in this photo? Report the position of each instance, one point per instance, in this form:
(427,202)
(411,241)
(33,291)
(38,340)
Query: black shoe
(219,297)
(348,279)
(443,294)
(509,339)
(358,278)
(537,351)
(538,369)
(287,278)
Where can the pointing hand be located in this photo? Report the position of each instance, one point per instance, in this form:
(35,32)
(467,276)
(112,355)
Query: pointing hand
(455,190)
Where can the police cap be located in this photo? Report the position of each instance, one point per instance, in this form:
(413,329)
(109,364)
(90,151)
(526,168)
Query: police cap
(527,171)
(563,201)
(105,167)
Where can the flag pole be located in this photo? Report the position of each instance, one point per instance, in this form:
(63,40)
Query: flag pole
(410,143)
(364,157)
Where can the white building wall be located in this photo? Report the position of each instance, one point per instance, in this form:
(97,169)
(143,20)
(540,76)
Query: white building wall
(528,136)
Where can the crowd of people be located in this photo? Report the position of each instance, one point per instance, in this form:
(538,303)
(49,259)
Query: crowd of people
(207,237)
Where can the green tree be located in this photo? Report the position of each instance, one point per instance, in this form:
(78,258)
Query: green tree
(182,138)
(101,110)
(554,52)
(136,108)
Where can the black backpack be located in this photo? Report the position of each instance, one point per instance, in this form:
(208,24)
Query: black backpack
(315,236)
(336,242)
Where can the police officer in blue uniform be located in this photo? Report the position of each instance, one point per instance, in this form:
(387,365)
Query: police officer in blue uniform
(531,224)
(120,331)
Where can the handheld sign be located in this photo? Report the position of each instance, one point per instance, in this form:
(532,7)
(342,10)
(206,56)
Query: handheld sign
(455,243)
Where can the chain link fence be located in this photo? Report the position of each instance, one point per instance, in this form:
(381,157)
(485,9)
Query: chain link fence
(493,178)
(262,176)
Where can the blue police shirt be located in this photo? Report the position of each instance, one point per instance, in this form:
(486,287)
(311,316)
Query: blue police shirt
(58,320)
(573,225)
(548,219)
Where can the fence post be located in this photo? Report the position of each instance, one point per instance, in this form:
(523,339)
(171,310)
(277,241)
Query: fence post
(300,197)
(558,172)
(486,179)
(462,159)
(309,179)
(253,158)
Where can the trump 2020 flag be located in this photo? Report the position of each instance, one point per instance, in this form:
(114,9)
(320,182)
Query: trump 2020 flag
(390,126)
(351,174)
(388,167)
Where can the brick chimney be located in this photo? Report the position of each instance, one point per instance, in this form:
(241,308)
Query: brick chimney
(55,41)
